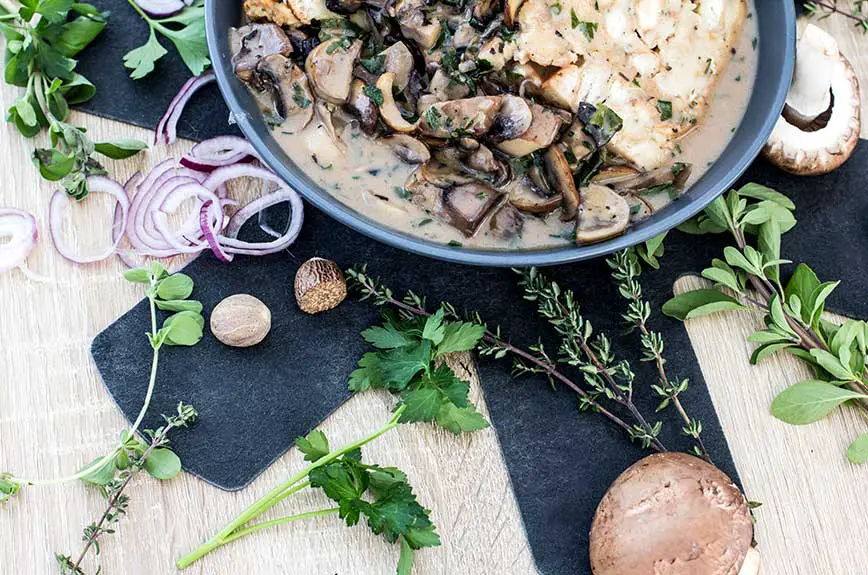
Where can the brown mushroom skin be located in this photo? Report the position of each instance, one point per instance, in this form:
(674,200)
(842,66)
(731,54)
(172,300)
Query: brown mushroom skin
(330,68)
(292,97)
(674,514)
(560,176)
(543,131)
(361,106)
(469,116)
(467,206)
(255,42)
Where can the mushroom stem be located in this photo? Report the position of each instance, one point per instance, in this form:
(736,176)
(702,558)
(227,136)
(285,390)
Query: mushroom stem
(810,94)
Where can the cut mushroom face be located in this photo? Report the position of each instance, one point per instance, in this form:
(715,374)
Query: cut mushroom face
(398,60)
(408,149)
(255,42)
(414,25)
(513,118)
(467,117)
(389,109)
(673,510)
(293,100)
(507,223)
(528,197)
(560,176)
(544,129)
(467,206)
(510,12)
(330,67)
(603,214)
(820,126)
(362,107)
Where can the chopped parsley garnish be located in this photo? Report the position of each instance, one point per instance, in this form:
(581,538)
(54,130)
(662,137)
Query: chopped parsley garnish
(665,109)
(343,45)
(402,192)
(600,122)
(374,64)
(299,97)
(374,93)
(454,244)
(432,118)
(589,29)
(556,8)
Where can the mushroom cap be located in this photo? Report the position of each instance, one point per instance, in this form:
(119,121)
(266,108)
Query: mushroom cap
(671,514)
(815,146)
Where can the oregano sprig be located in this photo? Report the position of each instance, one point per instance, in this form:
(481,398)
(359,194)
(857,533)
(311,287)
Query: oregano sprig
(825,8)
(756,217)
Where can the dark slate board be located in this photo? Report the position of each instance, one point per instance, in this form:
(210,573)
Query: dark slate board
(253,402)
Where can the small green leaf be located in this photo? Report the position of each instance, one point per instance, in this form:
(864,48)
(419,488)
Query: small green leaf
(832,364)
(367,376)
(759,192)
(386,337)
(461,419)
(858,450)
(138,275)
(718,212)
(700,302)
(315,446)
(53,165)
(180,305)
(767,350)
(723,277)
(460,337)
(803,283)
(434,330)
(810,401)
(818,300)
(141,60)
(102,475)
(162,463)
(739,260)
(121,149)
(184,328)
(422,405)
(176,286)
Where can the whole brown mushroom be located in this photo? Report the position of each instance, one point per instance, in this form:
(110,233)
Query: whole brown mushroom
(673,514)
(820,125)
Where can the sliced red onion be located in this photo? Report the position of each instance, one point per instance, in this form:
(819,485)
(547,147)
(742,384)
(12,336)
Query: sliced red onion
(167,129)
(210,232)
(57,210)
(218,152)
(161,8)
(20,228)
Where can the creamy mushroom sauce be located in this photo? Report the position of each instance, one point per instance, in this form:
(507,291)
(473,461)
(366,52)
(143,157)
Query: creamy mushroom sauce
(370,179)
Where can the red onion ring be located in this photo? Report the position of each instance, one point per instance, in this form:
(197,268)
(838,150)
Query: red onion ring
(57,209)
(167,129)
(211,235)
(161,8)
(20,228)
(218,152)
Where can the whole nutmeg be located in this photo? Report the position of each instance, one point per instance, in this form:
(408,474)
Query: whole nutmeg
(240,320)
(319,285)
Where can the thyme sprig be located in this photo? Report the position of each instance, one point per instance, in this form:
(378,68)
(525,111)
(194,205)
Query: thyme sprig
(756,217)
(823,9)
(626,269)
(534,360)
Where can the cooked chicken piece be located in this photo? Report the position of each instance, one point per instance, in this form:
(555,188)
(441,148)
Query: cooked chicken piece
(287,12)
(654,62)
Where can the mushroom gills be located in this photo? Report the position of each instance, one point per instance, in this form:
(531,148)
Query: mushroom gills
(293,101)
(603,214)
(544,129)
(253,43)
(560,177)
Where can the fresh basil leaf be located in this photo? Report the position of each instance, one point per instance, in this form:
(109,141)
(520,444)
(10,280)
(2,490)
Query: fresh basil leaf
(858,450)
(176,286)
(163,464)
(700,302)
(120,149)
(810,401)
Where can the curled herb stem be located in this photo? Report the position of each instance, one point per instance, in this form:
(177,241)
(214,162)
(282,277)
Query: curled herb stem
(235,529)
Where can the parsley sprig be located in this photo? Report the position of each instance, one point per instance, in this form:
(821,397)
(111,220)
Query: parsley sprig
(756,217)
(186,30)
(42,39)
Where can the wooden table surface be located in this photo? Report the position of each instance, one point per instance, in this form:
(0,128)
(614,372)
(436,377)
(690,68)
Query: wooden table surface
(55,416)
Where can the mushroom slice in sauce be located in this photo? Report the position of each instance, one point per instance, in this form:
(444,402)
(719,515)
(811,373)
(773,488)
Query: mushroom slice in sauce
(603,214)
(514,118)
(560,176)
(398,60)
(293,100)
(507,223)
(510,12)
(344,6)
(467,206)
(361,106)
(414,25)
(443,175)
(330,67)
(389,109)
(544,129)
(256,42)
(525,195)
(425,194)
(466,117)
(408,148)
(324,115)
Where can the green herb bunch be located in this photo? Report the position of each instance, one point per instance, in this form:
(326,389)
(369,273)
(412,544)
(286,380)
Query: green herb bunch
(825,8)
(410,363)
(42,39)
(113,472)
(793,311)
(186,30)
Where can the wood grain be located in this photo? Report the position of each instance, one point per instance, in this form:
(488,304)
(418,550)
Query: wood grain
(55,416)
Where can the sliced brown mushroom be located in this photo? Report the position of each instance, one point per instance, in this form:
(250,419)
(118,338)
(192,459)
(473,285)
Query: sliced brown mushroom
(603,214)
(361,106)
(820,126)
(442,175)
(510,12)
(514,118)
(443,88)
(425,194)
(324,115)
(507,223)
(389,109)
(544,129)
(344,6)
(482,159)
(671,513)
(408,148)
(465,117)
(670,178)
(615,175)
(485,9)
(398,59)
(560,176)
(411,16)
(330,67)
(467,206)
(255,42)
(525,195)
(292,97)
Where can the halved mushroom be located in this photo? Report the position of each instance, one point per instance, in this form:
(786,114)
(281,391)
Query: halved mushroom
(292,98)
(442,175)
(482,159)
(408,148)
(614,175)
(514,118)
(399,60)
(255,42)
(414,24)
(506,223)
(560,176)
(603,214)
(424,194)
(544,129)
(324,115)
(330,67)
(525,195)
(669,178)
(389,109)
(510,12)
(467,206)
(361,106)
(820,126)
(443,88)
(465,117)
